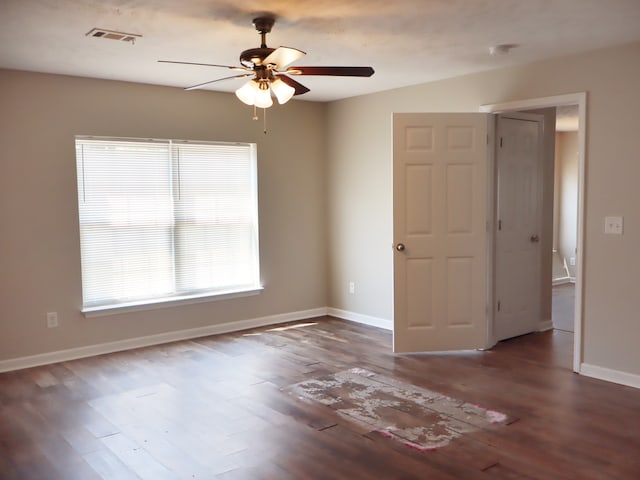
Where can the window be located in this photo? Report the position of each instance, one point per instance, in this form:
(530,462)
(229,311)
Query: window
(164,220)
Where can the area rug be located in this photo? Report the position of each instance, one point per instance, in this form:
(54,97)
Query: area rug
(417,417)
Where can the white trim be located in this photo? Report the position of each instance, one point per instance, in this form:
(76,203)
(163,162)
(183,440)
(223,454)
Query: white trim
(491,228)
(127,344)
(545,325)
(167,302)
(579,98)
(360,318)
(609,375)
(533,103)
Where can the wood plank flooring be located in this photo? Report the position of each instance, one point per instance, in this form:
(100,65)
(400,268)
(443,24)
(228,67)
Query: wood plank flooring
(213,408)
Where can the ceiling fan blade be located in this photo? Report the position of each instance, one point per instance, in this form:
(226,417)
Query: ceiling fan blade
(204,64)
(333,71)
(195,87)
(283,56)
(300,89)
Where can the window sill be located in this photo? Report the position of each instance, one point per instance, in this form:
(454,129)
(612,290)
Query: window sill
(167,302)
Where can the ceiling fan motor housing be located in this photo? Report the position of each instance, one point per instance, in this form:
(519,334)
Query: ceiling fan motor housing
(254,56)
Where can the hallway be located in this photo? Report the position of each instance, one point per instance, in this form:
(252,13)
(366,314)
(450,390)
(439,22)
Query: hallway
(562,314)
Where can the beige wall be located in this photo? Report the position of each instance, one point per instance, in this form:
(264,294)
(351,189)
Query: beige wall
(567,196)
(340,154)
(39,243)
(359,187)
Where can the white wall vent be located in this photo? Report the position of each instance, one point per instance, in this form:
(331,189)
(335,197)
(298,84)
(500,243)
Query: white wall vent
(113,35)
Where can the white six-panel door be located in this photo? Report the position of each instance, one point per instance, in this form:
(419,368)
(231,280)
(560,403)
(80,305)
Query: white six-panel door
(440,176)
(519,197)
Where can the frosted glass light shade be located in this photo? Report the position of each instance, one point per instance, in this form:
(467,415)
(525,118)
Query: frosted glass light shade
(247,92)
(263,97)
(282,91)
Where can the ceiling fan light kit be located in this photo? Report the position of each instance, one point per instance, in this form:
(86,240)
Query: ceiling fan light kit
(270,71)
(251,93)
(282,91)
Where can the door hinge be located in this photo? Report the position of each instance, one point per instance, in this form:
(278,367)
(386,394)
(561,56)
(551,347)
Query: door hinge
(500,142)
(487,139)
(498,305)
(499,224)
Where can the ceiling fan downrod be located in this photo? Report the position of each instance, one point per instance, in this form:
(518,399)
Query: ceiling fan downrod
(264,26)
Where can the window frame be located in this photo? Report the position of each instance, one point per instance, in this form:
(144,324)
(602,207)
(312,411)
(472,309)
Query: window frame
(212,293)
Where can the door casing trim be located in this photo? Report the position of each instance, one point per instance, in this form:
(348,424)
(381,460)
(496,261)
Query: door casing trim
(580,99)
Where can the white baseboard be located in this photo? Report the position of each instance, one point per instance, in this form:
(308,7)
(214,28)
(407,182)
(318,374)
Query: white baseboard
(110,347)
(601,373)
(615,376)
(360,318)
(546,325)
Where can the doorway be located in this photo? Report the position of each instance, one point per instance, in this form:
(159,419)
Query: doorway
(565,215)
(578,99)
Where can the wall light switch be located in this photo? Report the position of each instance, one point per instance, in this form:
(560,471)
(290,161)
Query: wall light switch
(613,225)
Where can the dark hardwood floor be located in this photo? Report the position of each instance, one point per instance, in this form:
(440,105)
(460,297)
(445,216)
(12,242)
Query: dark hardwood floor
(214,408)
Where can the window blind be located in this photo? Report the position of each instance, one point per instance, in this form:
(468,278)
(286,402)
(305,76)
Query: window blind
(165,219)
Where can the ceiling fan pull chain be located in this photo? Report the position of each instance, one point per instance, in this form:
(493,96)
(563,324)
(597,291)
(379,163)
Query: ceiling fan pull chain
(255,113)
(264,120)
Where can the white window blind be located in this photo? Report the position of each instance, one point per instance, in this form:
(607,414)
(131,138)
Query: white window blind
(163,220)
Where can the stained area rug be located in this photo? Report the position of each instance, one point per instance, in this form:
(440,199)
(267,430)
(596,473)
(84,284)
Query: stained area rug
(417,417)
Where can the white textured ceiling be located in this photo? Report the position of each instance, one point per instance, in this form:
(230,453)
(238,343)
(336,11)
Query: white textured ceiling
(406,41)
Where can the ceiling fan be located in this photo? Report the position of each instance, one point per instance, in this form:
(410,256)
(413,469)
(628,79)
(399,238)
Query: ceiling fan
(270,72)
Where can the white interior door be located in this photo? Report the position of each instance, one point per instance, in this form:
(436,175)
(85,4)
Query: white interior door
(519,196)
(440,231)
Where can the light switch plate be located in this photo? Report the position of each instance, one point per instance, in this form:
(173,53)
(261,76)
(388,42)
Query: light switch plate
(613,225)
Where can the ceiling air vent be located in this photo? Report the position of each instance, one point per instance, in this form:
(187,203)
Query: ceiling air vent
(113,35)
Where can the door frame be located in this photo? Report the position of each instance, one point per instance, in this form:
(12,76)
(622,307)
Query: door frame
(580,99)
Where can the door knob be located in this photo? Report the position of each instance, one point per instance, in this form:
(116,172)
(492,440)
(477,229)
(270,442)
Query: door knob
(400,247)
(534,238)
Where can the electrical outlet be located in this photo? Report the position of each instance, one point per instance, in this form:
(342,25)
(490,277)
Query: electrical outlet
(52,319)
(572,261)
(352,287)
